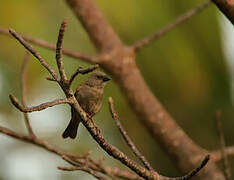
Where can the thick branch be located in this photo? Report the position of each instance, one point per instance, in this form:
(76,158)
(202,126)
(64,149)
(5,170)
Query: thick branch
(45,44)
(182,18)
(100,32)
(226,7)
(126,137)
(23,92)
(40,107)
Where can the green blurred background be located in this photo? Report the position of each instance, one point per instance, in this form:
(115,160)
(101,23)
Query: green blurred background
(189,70)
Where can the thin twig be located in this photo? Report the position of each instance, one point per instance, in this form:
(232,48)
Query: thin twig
(126,137)
(33,52)
(45,44)
(59,51)
(51,79)
(195,171)
(40,107)
(23,92)
(182,18)
(226,167)
(85,169)
(81,70)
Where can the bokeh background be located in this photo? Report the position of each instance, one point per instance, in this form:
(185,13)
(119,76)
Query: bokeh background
(190,70)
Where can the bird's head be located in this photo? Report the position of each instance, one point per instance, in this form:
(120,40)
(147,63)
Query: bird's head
(98,79)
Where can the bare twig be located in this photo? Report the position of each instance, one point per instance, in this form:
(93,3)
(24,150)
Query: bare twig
(226,167)
(59,51)
(52,79)
(45,44)
(40,107)
(33,52)
(85,169)
(195,171)
(126,137)
(81,70)
(23,93)
(82,168)
(182,18)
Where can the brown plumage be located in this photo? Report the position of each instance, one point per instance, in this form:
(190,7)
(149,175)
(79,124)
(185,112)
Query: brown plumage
(89,95)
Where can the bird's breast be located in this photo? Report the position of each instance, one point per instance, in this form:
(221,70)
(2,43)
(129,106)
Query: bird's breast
(90,99)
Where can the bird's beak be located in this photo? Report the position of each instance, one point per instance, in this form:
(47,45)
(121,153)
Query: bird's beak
(106,78)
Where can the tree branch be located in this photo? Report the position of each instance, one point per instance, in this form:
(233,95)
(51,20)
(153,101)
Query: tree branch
(82,168)
(81,70)
(195,171)
(126,137)
(45,44)
(179,20)
(226,7)
(23,93)
(33,52)
(85,169)
(40,107)
(100,32)
(59,51)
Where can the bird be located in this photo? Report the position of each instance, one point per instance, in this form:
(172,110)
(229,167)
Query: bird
(89,95)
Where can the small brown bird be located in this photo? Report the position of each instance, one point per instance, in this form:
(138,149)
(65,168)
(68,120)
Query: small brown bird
(89,95)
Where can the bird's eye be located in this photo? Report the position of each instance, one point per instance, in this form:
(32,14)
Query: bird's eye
(99,77)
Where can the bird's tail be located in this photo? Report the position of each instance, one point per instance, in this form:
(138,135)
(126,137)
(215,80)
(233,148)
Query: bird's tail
(71,130)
